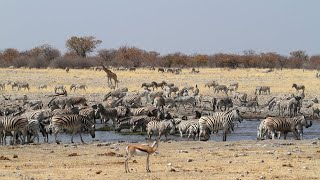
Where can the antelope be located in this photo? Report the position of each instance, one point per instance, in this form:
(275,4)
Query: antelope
(140,150)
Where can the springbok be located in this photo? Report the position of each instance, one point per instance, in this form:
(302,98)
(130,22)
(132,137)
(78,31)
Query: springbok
(140,150)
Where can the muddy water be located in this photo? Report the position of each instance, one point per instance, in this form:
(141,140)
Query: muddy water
(247,130)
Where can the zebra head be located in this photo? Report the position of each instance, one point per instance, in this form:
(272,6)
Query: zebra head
(236,115)
(304,122)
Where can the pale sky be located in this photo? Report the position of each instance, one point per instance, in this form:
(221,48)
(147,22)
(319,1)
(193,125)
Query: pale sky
(165,26)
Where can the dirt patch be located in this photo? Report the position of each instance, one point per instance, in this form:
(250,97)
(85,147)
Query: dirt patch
(4,158)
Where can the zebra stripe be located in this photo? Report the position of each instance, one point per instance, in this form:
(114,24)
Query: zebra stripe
(285,125)
(33,128)
(184,125)
(14,124)
(162,127)
(74,123)
(219,121)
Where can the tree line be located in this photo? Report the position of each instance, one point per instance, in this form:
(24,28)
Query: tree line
(79,49)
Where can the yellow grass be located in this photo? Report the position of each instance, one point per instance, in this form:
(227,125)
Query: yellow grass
(279,81)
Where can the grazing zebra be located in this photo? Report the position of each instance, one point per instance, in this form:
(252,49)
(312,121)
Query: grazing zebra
(133,100)
(149,85)
(24,86)
(286,125)
(298,87)
(210,84)
(14,124)
(157,85)
(106,114)
(77,86)
(183,100)
(59,87)
(242,97)
(42,86)
(219,121)
(75,123)
(147,110)
(161,127)
(265,89)
(219,88)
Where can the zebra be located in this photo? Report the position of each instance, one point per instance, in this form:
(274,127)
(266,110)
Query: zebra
(140,122)
(88,112)
(75,123)
(183,100)
(33,104)
(66,111)
(42,86)
(183,126)
(265,89)
(147,110)
(14,124)
(235,85)
(161,127)
(118,93)
(219,121)
(42,116)
(59,87)
(133,100)
(292,105)
(13,84)
(159,103)
(224,102)
(157,85)
(298,87)
(210,84)
(286,125)
(23,85)
(148,85)
(219,88)
(32,129)
(106,113)
(77,86)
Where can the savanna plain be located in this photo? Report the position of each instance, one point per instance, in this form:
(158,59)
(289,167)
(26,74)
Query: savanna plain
(268,159)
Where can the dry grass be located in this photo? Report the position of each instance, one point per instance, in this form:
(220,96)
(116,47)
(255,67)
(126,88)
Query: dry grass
(280,81)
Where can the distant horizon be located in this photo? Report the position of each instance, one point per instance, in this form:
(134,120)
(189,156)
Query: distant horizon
(186,26)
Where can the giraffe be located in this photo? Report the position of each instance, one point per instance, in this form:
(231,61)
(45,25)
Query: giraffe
(111,75)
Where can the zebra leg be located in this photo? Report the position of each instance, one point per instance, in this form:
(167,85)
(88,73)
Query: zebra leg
(224,138)
(295,133)
(81,137)
(56,136)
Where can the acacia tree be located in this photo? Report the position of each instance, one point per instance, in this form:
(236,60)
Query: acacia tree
(82,45)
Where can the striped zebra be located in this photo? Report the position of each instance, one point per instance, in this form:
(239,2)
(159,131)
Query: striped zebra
(106,114)
(183,126)
(219,121)
(77,86)
(14,124)
(193,130)
(32,129)
(161,127)
(88,112)
(183,100)
(285,125)
(75,123)
(141,122)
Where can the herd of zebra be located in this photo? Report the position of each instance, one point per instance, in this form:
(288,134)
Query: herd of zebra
(150,111)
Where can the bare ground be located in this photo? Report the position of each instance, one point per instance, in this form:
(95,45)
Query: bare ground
(174,160)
